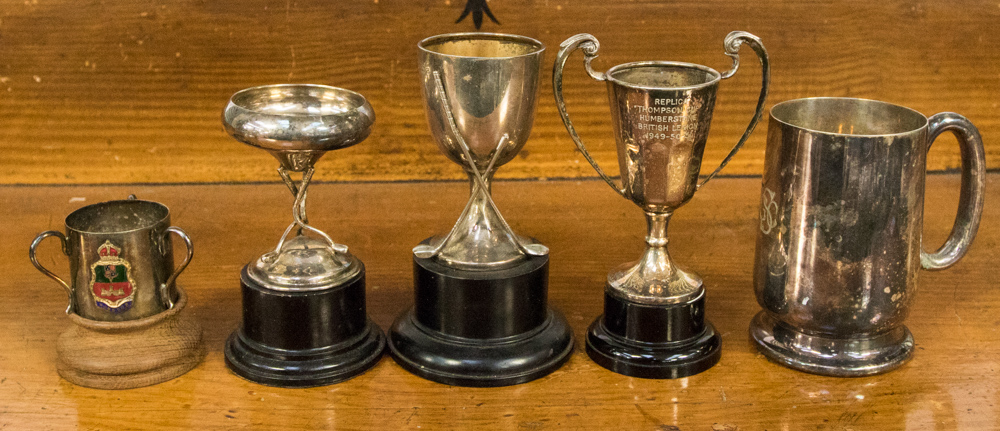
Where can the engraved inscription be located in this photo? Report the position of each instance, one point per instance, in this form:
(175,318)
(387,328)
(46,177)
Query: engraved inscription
(664,119)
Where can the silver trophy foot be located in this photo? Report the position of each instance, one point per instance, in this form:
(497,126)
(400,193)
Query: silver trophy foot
(829,355)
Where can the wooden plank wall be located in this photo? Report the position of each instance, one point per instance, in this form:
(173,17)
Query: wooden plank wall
(101,91)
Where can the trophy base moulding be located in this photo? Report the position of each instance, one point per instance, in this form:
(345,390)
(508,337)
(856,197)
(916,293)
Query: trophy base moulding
(304,338)
(132,353)
(653,341)
(481,328)
(828,355)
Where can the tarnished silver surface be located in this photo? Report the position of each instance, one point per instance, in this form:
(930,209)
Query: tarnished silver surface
(479,90)
(839,241)
(661,112)
(127,241)
(297,124)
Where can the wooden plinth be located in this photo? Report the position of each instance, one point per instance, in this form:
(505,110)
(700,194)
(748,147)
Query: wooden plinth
(133,353)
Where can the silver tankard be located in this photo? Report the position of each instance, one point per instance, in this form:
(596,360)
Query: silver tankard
(121,259)
(839,242)
(653,324)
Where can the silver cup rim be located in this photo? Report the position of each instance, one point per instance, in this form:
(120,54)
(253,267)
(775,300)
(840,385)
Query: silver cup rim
(233,100)
(785,104)
(80,212)
(540,47)
(357,120)
(716,76)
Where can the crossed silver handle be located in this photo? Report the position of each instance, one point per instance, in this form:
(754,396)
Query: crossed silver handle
(425,251)
(300,220)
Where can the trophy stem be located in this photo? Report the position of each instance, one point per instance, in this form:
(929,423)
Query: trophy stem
(655,278)
(300,220)
(656,224)
(299,207)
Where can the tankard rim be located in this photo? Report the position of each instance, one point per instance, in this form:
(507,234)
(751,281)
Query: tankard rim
(785,108)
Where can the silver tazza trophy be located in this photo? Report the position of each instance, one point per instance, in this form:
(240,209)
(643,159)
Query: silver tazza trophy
(304,319)
(480,317)
(653,324)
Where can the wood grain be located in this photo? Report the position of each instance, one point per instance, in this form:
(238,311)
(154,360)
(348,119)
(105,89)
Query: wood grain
(132,353)
(106,92)
(951,383)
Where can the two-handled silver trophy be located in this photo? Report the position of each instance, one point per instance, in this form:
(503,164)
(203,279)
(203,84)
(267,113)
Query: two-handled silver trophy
(654,311)
(304,317)
(481,316)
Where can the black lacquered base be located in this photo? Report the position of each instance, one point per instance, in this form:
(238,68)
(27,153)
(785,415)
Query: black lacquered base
(304,339)
(666,341)
(481,328)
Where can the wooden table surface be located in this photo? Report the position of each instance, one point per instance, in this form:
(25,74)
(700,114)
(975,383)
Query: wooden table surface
(951,383)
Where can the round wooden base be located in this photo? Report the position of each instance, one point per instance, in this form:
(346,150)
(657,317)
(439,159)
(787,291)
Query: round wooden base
(133,353)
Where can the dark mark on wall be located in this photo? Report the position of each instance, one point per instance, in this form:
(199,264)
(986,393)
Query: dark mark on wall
(477,8)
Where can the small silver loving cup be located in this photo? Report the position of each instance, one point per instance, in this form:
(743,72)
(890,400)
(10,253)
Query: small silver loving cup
(839,240)
(121,259)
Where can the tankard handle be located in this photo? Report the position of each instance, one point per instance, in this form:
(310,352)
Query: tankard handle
(44,270)
(733,42)
(970,201)
(165,287)
(589,45)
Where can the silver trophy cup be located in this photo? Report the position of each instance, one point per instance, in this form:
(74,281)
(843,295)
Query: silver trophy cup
(304,316)
(841,213)
(479,91)
(653,325)
(480,316)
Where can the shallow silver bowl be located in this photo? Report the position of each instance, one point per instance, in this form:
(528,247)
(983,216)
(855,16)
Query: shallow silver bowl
(297,123)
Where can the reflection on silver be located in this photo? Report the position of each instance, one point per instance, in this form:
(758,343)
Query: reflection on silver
(297,124)
(839,246)
(661,112)
(479,90)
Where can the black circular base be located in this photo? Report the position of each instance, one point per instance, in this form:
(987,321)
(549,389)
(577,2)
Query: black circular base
(304,368)
(481,328)
(478,362)
(304,339)
(666,341)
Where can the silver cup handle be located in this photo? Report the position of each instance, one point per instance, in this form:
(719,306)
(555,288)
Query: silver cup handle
(970,201)
(733,42)
(589,45)
(44,270)
(165,287)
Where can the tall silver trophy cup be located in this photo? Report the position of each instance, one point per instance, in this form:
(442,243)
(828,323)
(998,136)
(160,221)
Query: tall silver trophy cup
(653,324)
(480,316)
